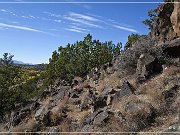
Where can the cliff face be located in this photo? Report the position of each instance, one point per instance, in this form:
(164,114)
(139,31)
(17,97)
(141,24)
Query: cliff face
(167,26)
(175,18)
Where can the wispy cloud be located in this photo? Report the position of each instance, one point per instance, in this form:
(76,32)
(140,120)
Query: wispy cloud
(125,28)
(79,22)
(84,22)
(28,16)
(96,21)
(52,29)
(19,27)
(77,29)
(8,12)
(52,14)
(3,10)
(8,26)
(13,13)
(58,21)
(74,30)
(84,17)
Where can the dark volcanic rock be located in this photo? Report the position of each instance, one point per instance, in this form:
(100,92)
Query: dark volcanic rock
(144,66)
(15,118)
(87,128)
(172,48)
(90,118)
(42,116)
(53,131)
(126,90)
(139,116)
(100,118)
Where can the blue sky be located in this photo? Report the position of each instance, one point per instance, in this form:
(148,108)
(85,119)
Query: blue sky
(32,31)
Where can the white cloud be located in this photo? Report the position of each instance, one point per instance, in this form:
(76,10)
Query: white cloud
(125,28)
(7,26)
(58,21)
(28,16)
(82,21)
(31,16)
(8,12)
(24,16)
(53,29)
(52,14)
(84,17)
(74,30)
(3,25)
(114,24)
(3,10)
(78,28)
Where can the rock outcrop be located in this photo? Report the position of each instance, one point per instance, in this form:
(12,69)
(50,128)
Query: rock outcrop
(175,18)
(167,25)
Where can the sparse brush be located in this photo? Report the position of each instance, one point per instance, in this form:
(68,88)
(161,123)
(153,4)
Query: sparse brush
(58,111)
(30,126)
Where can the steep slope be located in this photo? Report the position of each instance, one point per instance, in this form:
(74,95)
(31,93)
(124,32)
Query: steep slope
(139,91)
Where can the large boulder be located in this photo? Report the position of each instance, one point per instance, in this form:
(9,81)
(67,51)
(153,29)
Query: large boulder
(87,128)
(88,99)
(171,93)
(78,84)
(90,119)
(42,116)
(53,131)
(60,93)
(172,49)
(145,65)
(101,117)
(76,81)
(126,90)
(15,118)
(139,115)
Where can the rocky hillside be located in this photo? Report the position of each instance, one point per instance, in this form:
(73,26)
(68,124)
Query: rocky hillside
(139,91)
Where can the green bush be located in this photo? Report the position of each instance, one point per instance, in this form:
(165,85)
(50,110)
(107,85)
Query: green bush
(79,58)
(131,40)
(13,88)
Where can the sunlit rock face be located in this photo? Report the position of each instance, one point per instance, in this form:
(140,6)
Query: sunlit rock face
(175,18)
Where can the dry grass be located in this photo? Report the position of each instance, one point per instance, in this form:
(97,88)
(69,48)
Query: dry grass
(152,90)
(108,80)
(46,103)
(65,126)
(76,114)
(141,100)
(163,123)
(2,129)
(56,112)
(115,126)
(31,125)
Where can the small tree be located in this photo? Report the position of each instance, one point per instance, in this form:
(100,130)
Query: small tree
(131,40)
(9,76)
(153,17)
